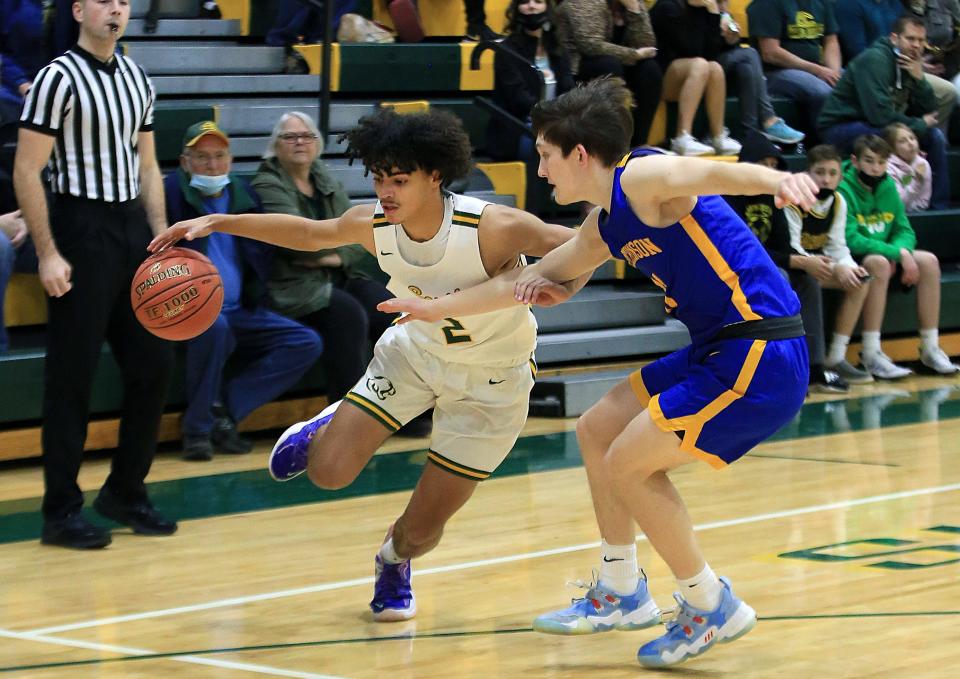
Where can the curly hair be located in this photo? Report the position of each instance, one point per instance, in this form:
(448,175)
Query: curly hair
(387,141)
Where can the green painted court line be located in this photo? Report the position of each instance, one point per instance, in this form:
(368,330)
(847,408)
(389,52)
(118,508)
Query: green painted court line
(250,491)
(420,637)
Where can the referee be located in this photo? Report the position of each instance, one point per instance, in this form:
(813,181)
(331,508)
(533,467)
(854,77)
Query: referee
(92,110)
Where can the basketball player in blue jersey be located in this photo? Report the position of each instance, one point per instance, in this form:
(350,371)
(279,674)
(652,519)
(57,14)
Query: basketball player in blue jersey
(476,375)
(743,376)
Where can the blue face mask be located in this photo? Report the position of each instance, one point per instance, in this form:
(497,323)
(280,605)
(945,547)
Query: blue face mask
(209,185)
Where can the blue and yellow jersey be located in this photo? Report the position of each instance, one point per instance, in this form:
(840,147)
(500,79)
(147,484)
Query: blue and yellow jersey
(710,266)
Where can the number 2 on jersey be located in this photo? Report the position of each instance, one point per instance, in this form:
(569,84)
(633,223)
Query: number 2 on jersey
(455,326)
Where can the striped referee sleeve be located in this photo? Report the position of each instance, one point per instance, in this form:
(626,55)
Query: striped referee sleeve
(48,100)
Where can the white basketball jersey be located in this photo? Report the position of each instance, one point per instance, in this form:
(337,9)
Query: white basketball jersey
(505,337)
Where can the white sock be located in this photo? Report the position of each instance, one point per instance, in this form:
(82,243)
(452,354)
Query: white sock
(619,572)
(871,342)
(703,590)
(929,339)
(389,554)
(838,349)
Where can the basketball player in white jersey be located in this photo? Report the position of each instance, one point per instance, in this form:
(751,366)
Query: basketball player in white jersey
(476,373)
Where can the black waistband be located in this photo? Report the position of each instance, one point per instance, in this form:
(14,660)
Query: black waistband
(786,327)
(68,200)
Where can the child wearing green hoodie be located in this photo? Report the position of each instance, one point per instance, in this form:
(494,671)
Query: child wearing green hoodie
(880,236)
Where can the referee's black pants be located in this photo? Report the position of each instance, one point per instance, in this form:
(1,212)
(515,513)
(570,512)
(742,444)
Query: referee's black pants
(104,244)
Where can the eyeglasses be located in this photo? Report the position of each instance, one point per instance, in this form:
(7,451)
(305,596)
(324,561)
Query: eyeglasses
(294,137)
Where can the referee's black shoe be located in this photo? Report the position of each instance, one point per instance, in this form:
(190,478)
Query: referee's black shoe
(140,515)
(74,531)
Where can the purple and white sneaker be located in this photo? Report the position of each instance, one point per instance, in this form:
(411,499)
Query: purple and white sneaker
(289,455)
(393,598)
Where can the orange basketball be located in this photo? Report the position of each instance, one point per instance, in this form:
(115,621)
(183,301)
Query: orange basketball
(177,293)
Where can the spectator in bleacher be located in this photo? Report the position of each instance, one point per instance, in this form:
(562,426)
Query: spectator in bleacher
(477,28)
(531,33)
(208,10)
(818,237)
(335,292)
(742,66)
(688,42)
(24,50)
(909,169)
(880,237)
(301,23)
(886,85)
(769,224)
(107,203)
(271,351)
(799,47)
(616,38)
(863,22)
(16,255)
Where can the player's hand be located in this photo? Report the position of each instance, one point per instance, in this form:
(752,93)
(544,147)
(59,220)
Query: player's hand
(55,273)
(535,289)
(911,272)
(796,189)
(413,308)
(187,230)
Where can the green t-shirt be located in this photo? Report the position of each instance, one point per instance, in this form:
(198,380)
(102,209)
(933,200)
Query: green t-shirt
(800,25)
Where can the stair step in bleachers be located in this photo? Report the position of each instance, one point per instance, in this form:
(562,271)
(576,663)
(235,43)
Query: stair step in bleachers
(186,28)
(177,9)
(182,58)
(602,306)
(585,345)
(572,395)
(251,85)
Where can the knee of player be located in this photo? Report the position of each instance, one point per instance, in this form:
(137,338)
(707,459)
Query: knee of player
(878,266)
(326,476)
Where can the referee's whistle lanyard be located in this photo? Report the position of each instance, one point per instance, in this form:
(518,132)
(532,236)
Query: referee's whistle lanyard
(209,185)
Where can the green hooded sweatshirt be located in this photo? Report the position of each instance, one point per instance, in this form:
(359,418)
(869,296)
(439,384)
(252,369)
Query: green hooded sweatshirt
(876,221)
(875,89)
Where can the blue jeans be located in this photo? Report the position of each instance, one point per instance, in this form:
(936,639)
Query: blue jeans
(933,142)
(804,88)
(22,260)
(742,66)
(295,19)
(274,352)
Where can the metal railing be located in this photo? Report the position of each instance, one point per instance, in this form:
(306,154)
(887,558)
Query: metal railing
(523,63)
(323,96)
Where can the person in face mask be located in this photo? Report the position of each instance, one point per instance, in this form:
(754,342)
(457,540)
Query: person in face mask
(880,236)
(272,351)
(818,236)
(531,34)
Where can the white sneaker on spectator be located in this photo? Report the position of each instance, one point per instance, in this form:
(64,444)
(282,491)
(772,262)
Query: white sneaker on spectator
(851,374)
(938,361)
(880,366)
(687,145)
(725,145)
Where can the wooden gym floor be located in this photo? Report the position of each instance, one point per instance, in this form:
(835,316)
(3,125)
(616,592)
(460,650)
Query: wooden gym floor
(843,532)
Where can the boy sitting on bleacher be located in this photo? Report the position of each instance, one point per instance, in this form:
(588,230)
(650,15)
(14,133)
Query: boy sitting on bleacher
(819,239)
(805,273)
(880,237)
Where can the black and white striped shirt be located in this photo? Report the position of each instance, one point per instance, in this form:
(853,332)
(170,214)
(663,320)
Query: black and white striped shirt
(95,111)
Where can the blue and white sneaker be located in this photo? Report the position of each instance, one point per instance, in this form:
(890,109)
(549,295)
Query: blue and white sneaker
(782,133)
(694,631)
(393,598)
(601,611)
(289,456)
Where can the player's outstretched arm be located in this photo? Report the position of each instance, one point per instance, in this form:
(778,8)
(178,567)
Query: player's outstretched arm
(296,233)
(663,178)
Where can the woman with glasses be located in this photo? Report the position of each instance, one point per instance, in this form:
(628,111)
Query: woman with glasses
(333,291)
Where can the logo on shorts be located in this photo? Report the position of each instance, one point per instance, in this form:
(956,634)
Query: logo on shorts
(381,386)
